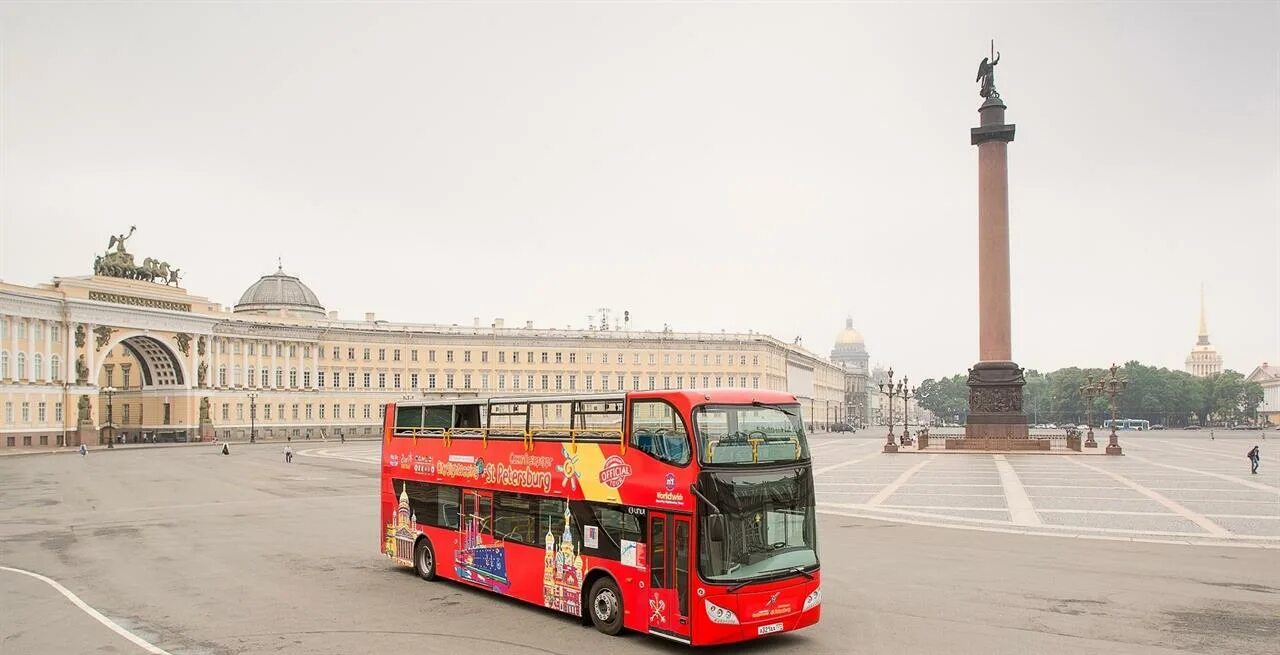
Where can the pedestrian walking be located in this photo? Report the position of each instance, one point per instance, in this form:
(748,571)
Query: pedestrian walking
(288,454)
(1254,456)
(226,450)
(342,437)
(83,450)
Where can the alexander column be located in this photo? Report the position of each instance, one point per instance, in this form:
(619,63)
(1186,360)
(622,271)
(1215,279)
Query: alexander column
(995,382)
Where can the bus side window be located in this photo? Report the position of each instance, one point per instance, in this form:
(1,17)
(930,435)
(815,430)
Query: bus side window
(657,429)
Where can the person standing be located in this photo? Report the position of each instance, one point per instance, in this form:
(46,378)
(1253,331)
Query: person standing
(83,450)
(288,454)
(1254,456)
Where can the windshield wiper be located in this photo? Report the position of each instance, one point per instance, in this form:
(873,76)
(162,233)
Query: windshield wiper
(795,569)
(694,489)
(757,403)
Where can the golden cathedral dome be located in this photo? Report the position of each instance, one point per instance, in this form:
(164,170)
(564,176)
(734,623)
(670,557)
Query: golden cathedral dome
(848,335)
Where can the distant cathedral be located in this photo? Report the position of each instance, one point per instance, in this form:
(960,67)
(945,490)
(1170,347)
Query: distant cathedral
(1204,359)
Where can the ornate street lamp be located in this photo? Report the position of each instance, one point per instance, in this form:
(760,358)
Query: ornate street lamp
(891,392)
(111,432)
(1112,387)
(253,417)
(1089,391)
(907,394)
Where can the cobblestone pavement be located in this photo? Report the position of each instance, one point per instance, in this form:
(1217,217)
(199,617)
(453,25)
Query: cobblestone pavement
(1168,487)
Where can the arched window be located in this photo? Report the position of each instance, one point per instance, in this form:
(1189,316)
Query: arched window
(251,379)
(55,369)
(293,377)
(235,376)
(222,376)
(37,366)
(4,365)
(22,366)
(279,377)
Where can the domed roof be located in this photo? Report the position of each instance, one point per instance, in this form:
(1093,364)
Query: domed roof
(848,336)
(277,292)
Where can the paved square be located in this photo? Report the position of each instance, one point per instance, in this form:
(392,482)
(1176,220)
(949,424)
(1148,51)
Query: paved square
(181,550)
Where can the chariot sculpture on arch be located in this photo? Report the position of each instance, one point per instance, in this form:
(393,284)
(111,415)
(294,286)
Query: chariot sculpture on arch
(118,262)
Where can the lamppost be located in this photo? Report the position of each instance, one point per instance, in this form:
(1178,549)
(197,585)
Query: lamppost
(891,392)
(1112,387)
(1089,390)
(253,417)
(111,436)
(907,394)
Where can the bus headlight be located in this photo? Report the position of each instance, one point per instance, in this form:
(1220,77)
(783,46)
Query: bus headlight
(813,600)
(721,615)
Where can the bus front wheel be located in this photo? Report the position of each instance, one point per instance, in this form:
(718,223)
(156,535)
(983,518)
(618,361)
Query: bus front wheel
(605,606)
(424,560)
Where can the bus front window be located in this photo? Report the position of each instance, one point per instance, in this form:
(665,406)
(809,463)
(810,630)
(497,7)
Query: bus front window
(756,524)
(750,434)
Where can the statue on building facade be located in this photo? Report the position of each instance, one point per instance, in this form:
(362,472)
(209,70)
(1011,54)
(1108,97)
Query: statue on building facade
(204,409)
(119,263)
(83,408)
(200,346)
(82,371)
(202,373)
(103,333)
(117,242)
(184,342)
(80,336)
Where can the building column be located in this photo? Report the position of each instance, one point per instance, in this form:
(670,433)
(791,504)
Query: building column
(89,357)
(48,350)
(272,378)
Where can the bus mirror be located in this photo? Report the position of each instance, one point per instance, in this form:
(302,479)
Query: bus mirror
(715,523)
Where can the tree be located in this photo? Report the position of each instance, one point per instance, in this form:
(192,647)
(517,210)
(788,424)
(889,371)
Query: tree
(947,398)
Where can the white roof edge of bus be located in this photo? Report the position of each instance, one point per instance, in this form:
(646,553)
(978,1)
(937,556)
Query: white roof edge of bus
(598,397)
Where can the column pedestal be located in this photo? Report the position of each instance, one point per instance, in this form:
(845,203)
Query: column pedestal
(995,402)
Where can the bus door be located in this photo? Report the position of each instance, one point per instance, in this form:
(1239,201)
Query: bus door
(667,603)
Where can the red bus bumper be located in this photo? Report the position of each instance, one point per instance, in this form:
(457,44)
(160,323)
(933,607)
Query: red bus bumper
(756,611)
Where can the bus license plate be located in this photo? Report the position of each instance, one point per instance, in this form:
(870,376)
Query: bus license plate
(769,629)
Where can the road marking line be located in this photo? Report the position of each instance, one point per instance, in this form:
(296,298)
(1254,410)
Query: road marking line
(833,467)
(1229,478)
(944,520)
(1021,511)
(1199,519)
(95,614)
(1192,541)
(902,479)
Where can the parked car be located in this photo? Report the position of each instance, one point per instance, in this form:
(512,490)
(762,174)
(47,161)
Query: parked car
(1157,427)
(843,427)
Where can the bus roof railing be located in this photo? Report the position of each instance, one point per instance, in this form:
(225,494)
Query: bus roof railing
(508,400)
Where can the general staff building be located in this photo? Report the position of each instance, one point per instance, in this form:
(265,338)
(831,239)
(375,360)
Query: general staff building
(112,357)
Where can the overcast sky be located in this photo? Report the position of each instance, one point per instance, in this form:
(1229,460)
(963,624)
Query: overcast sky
(773,167)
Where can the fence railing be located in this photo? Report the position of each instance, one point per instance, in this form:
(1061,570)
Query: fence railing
(955,439)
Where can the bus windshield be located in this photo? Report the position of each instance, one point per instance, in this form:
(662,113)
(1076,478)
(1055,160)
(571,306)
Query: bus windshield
(750,434)
(756,524)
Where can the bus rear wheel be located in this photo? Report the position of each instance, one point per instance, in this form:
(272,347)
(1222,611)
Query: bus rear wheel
(605,606)
(424,560)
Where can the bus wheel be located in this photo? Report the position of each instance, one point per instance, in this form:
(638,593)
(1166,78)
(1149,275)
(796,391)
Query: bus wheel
(605,606)
(424,560)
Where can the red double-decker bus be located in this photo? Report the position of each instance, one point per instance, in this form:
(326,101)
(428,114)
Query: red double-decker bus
(684,514)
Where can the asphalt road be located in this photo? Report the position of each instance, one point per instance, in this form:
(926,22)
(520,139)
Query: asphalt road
(200,553)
